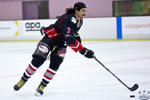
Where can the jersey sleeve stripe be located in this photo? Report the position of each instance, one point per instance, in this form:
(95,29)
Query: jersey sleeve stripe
(77,46)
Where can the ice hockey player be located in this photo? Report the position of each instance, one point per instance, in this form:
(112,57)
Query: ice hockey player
(55,41)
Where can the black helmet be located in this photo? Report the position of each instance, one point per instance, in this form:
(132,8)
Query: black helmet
(79,5)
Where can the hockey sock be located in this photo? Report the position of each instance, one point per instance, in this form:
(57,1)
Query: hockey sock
(30,70)
(48,75)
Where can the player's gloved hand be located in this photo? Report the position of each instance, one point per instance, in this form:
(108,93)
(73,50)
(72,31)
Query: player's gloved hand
(87,53)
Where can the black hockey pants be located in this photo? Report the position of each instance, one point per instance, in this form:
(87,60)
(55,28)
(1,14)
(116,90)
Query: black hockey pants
(43,49)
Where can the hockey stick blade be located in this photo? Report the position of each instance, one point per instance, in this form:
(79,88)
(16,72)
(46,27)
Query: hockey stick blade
(135,86)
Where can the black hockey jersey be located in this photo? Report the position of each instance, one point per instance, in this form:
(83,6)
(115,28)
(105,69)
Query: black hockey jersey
(65,31)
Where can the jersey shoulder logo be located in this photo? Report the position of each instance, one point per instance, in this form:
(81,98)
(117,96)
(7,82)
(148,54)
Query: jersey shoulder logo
(73,19)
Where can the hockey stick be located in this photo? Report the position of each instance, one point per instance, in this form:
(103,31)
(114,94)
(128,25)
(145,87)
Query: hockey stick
(133,88)
(48,57)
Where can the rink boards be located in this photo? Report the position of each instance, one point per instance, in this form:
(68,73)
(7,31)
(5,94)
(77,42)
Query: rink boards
(109,28)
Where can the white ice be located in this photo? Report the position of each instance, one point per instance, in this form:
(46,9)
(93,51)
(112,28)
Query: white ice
(79,78)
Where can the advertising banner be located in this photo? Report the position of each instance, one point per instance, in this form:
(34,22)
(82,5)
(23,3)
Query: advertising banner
(93,28)
(136,27)
(32,27)
(8,28)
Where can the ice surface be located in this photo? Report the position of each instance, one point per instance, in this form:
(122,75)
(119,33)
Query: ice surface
(79,78)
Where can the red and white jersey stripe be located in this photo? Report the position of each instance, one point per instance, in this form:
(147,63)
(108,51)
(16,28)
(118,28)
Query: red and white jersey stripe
(77,46)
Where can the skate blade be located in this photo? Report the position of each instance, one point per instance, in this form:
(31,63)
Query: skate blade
(37,94)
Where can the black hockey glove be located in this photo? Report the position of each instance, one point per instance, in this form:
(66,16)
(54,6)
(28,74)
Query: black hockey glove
(87,53)
(78,38)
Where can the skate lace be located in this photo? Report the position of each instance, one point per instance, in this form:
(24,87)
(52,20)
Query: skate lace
(42,87)
(20,83)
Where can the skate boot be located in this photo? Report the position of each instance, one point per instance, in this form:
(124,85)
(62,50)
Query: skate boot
(19,84)
(39,90)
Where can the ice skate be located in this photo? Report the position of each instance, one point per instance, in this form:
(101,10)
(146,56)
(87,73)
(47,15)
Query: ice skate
(19,84)
(39,90)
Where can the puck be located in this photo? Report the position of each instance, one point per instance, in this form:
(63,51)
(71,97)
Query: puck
(132,96)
